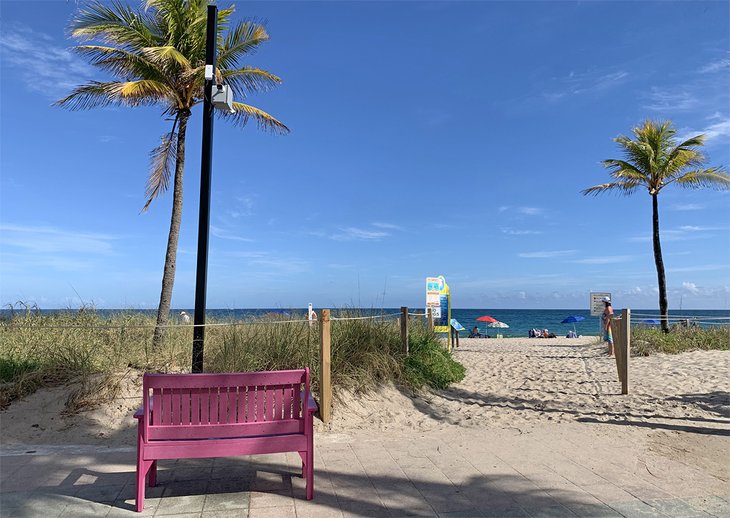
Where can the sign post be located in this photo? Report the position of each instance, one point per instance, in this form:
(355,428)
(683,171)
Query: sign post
(438,299)
(597,307)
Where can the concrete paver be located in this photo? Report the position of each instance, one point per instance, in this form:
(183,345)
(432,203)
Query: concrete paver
(465,474)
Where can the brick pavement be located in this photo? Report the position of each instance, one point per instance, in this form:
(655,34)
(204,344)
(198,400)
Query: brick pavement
(553,470)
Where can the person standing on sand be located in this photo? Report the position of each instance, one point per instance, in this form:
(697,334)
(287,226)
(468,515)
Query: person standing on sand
(607,315)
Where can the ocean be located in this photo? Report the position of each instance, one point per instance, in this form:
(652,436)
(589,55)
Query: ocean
(520,321)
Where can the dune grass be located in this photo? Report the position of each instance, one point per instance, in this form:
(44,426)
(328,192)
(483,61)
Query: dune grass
(38,349)
(649,340)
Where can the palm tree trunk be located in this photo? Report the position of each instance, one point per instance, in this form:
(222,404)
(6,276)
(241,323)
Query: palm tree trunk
(659,264)
(168,275)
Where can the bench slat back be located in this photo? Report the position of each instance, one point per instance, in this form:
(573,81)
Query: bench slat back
(199,406)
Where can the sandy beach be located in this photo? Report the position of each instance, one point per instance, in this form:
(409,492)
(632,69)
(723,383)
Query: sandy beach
(516,383)
(536,425)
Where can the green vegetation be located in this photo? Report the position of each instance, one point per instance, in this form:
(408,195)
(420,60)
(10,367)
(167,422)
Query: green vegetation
(40,349)
(156,53)
(649,340)
(652,161)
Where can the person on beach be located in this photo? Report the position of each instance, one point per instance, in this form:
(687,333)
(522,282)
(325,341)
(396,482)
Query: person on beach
(475,333)
(607,315)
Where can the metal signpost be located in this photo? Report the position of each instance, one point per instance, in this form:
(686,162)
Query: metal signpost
(206,163)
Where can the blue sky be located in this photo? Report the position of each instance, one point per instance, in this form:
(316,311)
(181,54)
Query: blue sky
(435,138)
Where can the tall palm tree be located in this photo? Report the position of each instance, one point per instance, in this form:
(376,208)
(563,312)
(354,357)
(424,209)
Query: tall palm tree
(157,56)
(652,161)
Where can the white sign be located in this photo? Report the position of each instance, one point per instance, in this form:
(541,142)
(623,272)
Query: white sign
(597,306)
(433,292)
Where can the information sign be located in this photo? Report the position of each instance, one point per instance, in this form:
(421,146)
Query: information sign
(597,305)
(438,299)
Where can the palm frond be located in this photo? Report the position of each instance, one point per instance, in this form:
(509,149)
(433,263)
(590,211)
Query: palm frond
(117,23)
(250,79)
(165,55)
(623,169)
(162,159)
(244,112)
(127,93)
(121,62)
(714,178)
(636,153)
(241,40)
(624,188)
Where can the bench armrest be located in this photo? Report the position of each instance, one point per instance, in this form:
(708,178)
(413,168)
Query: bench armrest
(139,414)
(312,404)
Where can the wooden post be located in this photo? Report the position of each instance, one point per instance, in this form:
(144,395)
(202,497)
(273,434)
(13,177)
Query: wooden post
(429,318)
(325,377)
(625,350)
(621,330)
(457,338)
(404,328)
(617,331)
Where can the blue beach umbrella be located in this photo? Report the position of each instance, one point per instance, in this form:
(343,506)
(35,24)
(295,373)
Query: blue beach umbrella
(650,322)
(572,319)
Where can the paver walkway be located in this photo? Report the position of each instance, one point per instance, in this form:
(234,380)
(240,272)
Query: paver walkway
(553,470)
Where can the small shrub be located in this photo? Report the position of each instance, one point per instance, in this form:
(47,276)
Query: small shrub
(647,340)
(430,364)
(39,349)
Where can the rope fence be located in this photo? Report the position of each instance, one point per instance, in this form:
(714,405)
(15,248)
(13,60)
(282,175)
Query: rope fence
(10,323)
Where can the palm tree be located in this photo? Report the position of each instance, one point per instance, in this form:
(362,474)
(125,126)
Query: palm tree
(654,160)
(157,57)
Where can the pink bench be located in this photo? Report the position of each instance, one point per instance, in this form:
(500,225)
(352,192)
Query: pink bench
(221,415)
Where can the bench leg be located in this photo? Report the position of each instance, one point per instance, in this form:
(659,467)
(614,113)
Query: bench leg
(308,466)
(309,473)
(152,475)
(143,468)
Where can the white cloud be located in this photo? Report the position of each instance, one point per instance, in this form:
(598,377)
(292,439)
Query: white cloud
(514,232)
(388,226)
(699,268)
(243,207)
(683,233)
(546,254)
(605,259)
(530,211)
(668,100)
(585,82)
(711,132)
(280,265)
(44,66)
(358,234)
(222,233)
(715,66)
(526,211)
(687,206)
(53,240)
(690,287)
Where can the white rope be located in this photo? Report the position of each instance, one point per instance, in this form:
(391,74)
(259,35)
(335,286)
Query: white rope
(171,326)
(680,317)
(364,318)
(152,326)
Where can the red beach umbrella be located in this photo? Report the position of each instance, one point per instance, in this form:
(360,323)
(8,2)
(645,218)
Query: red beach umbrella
(486,318)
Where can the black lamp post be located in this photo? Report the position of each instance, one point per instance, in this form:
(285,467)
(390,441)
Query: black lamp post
(206,162)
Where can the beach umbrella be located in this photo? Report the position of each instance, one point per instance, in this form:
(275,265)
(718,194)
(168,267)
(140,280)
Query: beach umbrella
(486,318)
(650,322)
(572,319)
(498,324)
